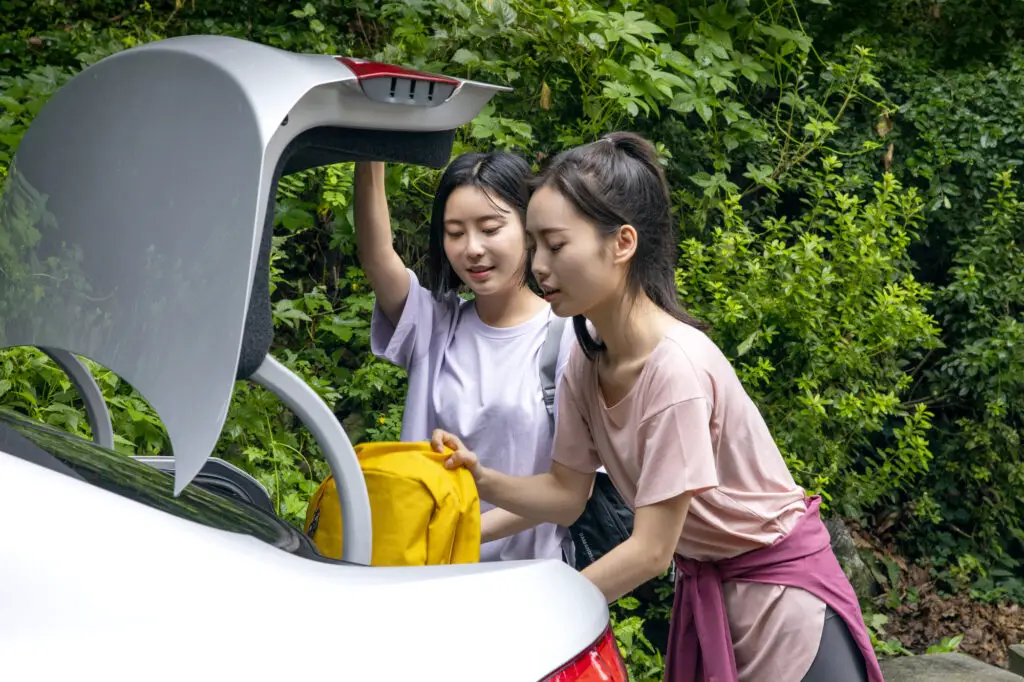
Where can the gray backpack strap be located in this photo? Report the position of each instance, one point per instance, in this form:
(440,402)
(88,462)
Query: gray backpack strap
(549,364)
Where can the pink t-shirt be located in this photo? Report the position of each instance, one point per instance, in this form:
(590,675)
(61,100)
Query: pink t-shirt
(687,425)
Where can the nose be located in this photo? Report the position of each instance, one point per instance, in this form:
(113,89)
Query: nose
(474,245)
(539,265)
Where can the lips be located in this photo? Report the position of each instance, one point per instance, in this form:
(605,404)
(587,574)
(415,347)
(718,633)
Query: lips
(479,271)
(550,293)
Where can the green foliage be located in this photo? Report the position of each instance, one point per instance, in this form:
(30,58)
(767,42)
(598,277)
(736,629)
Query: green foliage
(643,660)
(946,645)
(869,295)
(954,75)
(822,317)
(979,384)
(876,631)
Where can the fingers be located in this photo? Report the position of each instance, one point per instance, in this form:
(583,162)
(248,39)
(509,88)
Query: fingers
(462,458)
(437,440)
(442,438)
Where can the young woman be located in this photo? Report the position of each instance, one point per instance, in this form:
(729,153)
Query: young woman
(760,595)
(473,365)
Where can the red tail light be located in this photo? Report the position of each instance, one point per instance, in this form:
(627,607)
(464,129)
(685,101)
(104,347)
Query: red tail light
(366,70)
(600,662)
(399,85)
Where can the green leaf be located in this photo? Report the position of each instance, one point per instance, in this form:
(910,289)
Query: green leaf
(644,27)
(286,310)
(702,179)
(504,10)
(704,111)
(684,102)
(629,603)
(720,84)
(664,15)
(341,329)
(521,128)
(789,38)
(747,343)
(464,56)
(632,40)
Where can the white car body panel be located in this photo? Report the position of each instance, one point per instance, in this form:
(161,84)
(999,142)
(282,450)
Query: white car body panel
(84,594)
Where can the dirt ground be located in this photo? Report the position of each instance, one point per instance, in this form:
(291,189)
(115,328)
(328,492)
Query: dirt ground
(988,629)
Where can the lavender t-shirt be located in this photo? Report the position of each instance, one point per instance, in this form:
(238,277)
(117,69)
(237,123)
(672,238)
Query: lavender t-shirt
(481,383)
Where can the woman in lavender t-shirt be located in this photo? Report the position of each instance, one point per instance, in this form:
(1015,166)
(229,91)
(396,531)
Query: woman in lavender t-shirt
(474,366)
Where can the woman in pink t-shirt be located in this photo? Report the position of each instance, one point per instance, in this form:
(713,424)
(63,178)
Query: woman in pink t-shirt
(760,595)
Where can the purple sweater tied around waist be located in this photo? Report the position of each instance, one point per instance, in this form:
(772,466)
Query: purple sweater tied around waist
(700,645)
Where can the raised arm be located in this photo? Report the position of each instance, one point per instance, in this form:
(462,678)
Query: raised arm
(381,263)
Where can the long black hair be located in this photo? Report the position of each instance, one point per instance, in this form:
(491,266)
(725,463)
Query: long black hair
(498,174)
(618,181)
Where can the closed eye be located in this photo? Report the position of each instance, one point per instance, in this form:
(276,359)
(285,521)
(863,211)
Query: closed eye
(556,247)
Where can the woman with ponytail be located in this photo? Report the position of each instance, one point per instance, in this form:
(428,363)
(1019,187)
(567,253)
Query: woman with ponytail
(760,596)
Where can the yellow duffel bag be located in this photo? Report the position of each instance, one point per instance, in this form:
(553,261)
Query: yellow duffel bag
(422,513)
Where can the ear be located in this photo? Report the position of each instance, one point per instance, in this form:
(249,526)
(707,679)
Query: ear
(624,245)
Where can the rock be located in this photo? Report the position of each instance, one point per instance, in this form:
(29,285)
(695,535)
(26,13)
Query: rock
(1017,659)
(944,668)
(857,572)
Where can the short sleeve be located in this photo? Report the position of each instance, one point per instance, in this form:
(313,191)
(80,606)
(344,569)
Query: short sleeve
(565,350)
(678,456)
(401,344)
(573,446)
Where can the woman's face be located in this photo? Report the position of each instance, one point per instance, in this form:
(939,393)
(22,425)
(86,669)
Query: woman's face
(577,268)
(484,241)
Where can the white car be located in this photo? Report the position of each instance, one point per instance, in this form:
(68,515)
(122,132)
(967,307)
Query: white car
(136,221)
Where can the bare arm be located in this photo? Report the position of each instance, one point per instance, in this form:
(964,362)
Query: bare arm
(646,554)
(498,523)
(381,263)
(555,497)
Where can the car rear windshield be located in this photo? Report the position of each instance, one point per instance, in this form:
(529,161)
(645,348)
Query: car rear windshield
(124,476)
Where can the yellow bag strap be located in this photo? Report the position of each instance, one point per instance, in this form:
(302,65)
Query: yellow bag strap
(366,451)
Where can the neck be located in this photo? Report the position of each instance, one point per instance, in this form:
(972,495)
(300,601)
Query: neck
(507,309)
(630,327)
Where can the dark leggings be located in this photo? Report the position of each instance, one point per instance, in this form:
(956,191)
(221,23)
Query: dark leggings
(838,658)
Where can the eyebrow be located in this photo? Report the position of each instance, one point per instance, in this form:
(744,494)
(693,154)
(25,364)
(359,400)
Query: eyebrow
(481,219)
(547,230)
